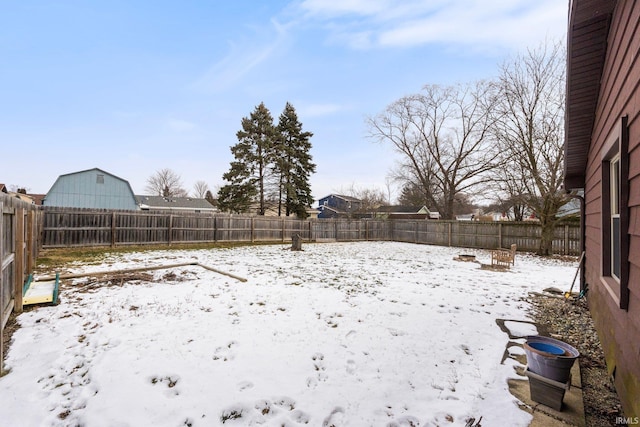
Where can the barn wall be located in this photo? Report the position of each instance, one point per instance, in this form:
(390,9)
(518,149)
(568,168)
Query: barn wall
(93,189)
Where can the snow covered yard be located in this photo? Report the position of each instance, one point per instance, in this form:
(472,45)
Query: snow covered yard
(341,334)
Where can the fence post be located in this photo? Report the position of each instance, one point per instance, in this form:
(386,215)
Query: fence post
(566,240)
(252,230)
(500,235)
(39,230)
(449,233)
(170,231)
(31,241)
(19,260)
(283,230)
(113,229)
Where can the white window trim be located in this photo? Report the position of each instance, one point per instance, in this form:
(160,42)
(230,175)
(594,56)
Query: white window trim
(614,198)
(614,157)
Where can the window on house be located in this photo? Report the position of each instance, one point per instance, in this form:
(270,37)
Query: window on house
(615,239)
(614,199)
(99,179)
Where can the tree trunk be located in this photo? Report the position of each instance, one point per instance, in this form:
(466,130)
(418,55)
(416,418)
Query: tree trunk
(547,228)
(296,242)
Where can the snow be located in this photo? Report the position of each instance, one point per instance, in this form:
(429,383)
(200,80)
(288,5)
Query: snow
(342,334)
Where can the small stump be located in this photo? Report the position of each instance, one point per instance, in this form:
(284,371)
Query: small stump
(296,242)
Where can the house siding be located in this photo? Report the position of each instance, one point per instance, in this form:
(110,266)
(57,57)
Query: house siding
(339,206)
(619,329)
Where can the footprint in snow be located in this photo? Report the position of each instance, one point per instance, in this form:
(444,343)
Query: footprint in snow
(318,362)
(351,366)
(396,333)
(243,385)
(320,368)
(225,353)
(336,418)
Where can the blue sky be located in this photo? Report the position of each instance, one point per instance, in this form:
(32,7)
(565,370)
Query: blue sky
(133,86)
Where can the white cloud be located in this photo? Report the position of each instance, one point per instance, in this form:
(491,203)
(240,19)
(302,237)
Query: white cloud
(362,24)
(336,8)
(501,25)
(241,60)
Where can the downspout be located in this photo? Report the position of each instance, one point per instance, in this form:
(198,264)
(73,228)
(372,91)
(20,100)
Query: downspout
(583,244)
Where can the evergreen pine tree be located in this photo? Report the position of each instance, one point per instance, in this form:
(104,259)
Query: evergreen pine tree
(292,164)
(253,154)
(209,198)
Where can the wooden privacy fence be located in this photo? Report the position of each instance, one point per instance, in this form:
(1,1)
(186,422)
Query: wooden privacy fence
(68,227)
(19,243)
(486,235)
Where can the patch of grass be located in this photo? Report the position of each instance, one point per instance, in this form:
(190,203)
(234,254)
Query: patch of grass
(56,258)
(230,415)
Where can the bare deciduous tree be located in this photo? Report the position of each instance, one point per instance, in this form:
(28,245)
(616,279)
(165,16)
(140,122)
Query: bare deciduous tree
(443,136)
(530,133)
(370,198)
(200,189)
(165,183)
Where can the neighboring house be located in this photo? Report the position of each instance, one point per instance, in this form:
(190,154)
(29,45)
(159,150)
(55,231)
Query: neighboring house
(271,209)
(570,210)
(602,153)
(174,204)
(312,213)
(405,212)
(491,216)
(338,206)
(35,199)
(21,194)
(92,188)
